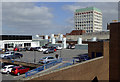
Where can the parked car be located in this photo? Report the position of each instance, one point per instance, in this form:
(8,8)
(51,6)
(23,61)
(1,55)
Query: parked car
(47,59)
(34,48)
(84,57)
(21,49)
(15,49)
(37,48)
(3,64)
(42,49)
(27,48)
(18,54)
(71,47)
(49,50)
(6,49)
(7,54)
(19,70)
(54,48)
(11,57)
(59,48)
(7,69)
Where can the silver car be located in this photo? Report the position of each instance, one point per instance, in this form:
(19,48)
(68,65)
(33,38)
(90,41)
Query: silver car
(47,59)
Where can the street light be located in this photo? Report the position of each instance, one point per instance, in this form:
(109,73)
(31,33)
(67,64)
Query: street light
(34,56)
(60,53)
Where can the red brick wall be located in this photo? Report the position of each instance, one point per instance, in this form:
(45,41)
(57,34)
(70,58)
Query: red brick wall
(114,51)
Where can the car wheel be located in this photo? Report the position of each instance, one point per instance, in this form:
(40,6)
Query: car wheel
(18,74)
(19,57)
(8,72)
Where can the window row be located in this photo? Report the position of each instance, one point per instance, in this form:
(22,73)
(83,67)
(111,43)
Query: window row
(83,13)
(85,22)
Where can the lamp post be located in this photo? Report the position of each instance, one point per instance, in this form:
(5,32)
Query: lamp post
(34,56)
(60,53)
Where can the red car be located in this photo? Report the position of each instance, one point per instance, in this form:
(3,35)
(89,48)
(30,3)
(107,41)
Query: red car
(15,49)
(19,70)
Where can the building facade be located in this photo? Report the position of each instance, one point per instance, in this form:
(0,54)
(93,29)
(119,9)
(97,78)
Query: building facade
(12,41)
(88,19)
(119,11)
(114,52)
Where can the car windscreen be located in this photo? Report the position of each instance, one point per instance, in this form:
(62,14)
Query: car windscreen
(44,57)
(6,52)
(13,69)
(4,67)
(50,57)
(17,53)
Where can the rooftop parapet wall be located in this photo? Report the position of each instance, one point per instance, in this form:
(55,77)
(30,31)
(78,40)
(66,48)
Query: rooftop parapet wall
(98,35)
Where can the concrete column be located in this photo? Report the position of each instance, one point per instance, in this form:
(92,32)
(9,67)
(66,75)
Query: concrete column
(61,37)
(94,39)
(23,44)
(64,43)
(53,40)
(46,37)
(79,40)
(52,36)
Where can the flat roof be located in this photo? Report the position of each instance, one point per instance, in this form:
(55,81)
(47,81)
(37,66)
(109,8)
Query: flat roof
(87,9)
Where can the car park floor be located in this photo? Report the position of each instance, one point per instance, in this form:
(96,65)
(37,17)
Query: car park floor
(29,56)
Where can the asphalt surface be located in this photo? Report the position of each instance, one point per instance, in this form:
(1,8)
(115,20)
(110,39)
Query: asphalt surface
(34,56)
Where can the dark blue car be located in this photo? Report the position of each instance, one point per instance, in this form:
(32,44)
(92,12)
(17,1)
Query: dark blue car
(84,57)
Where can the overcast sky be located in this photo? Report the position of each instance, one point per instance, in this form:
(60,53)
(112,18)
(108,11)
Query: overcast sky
(49,17)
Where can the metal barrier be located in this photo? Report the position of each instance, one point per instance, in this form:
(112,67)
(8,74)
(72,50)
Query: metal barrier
(64,65)
(53,63)
(46,66)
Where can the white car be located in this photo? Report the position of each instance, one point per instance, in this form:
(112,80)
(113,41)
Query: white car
(7,69)
(47,59)
(7,54)
(42,49)
(59,48)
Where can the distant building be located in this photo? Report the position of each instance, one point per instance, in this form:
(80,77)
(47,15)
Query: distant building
(76,32)
(12,41)
(88,19)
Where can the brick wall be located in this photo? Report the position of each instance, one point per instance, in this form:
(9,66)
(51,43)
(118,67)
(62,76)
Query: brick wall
(114,51)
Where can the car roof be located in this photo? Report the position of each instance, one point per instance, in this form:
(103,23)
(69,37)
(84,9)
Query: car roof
(47,56)
(17,53)
(9,51)
(8,65)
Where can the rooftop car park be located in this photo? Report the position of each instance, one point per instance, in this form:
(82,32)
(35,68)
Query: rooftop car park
(31,59)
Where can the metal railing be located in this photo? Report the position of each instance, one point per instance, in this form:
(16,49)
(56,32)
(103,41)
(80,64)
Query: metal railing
(46,66)
(64,65)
